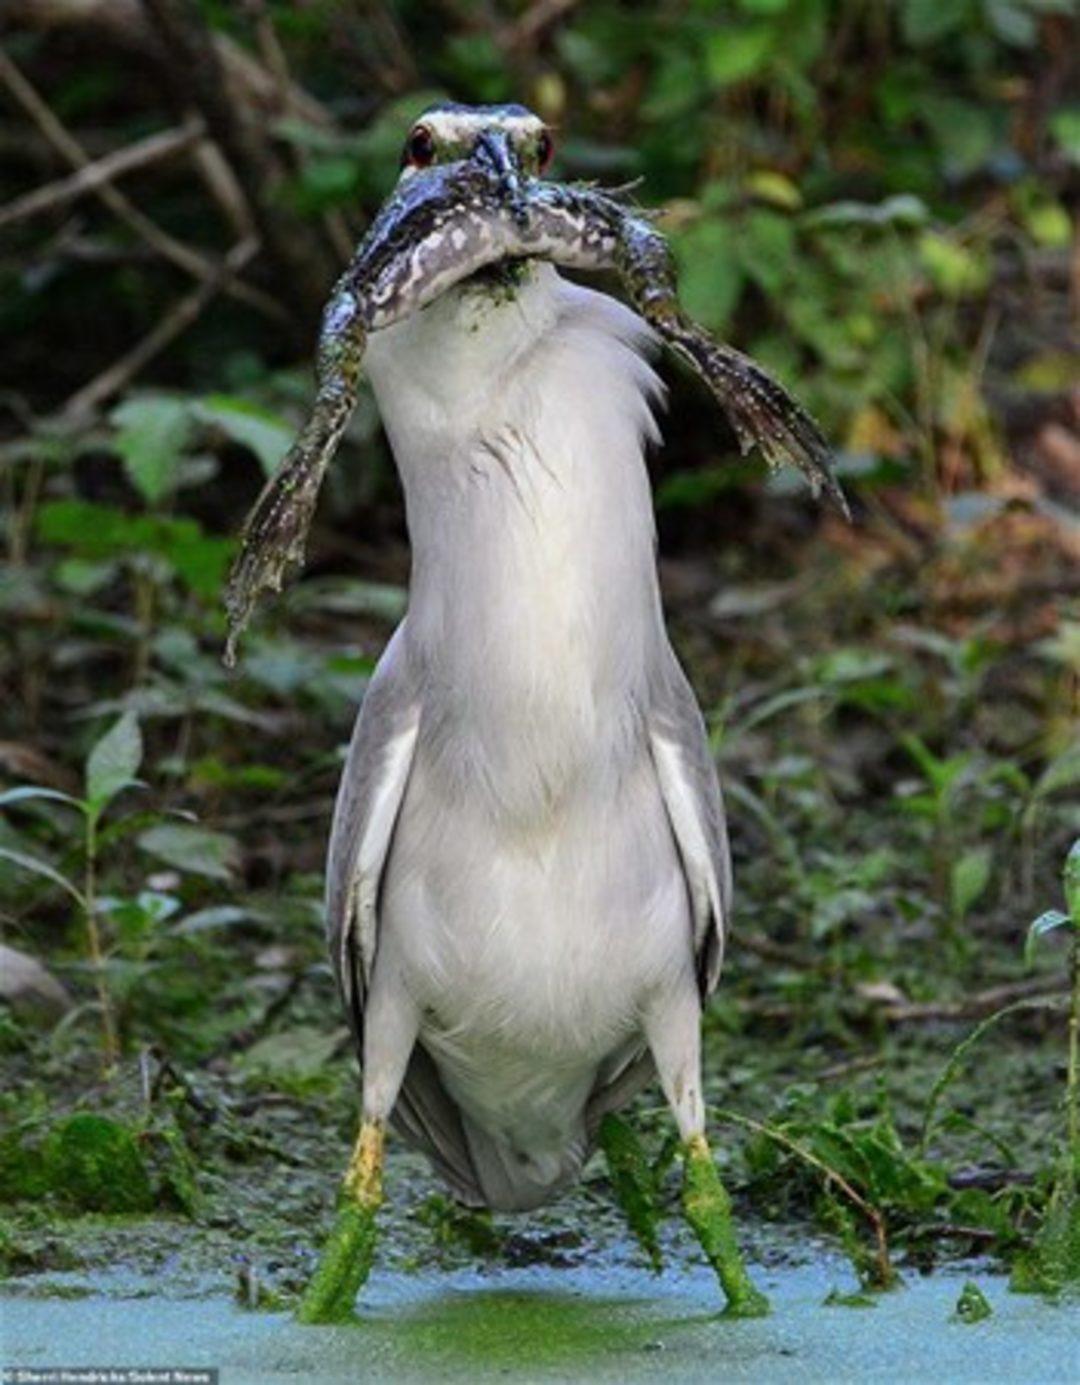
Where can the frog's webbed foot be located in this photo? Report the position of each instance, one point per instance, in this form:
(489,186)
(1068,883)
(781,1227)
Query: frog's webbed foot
(761,411)
(275,532)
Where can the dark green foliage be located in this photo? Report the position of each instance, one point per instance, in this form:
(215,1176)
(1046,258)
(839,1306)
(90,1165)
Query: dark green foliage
(95,1165)
(972,1306)
(634,1183)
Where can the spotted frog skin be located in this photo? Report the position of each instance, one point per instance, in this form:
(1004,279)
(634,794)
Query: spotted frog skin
(441,227)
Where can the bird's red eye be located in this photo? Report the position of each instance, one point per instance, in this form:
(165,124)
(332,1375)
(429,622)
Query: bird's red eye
(419,148)
(545,151)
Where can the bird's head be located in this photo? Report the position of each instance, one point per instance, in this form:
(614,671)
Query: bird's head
(509,141)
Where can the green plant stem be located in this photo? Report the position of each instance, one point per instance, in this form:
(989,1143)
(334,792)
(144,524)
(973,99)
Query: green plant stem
(1072,1080)
(93,939)
(885,1275)
(144,621)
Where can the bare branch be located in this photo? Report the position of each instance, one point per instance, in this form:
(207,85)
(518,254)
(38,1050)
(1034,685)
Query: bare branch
(222,186)
(194,68)
(179,317)
(273,56)
(69,149)
(124,23)
(144,152)
(532,24)
(974,1006)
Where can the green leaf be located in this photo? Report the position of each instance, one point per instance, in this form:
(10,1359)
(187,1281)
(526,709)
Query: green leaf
(193,850)
(954,269)
(1063,772)
(903,210)
(927,21)
(775,188)
(26,792)
(152,433)
(42,868)
(1071,878)
(969,879)
(1065,128)
(972,1305)
(114,761)
(736,54)
(1012,21)
(966,131)
(710,276)
(1045,923)
(100,531)
(767,249)
(265,433)
(216,916)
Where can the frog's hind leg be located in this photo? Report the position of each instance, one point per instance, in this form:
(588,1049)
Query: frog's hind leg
(673,1031)
(761,411)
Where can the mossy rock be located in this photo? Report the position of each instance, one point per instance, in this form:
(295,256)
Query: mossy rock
(95,1164)
(22,1170)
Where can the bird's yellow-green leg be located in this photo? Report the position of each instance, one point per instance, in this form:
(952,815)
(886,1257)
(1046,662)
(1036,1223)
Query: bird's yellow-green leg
(348,1254)
(707,1207)
(673,1031)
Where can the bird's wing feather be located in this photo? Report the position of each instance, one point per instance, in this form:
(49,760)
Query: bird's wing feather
(372,789)
(369,797)
(691,793)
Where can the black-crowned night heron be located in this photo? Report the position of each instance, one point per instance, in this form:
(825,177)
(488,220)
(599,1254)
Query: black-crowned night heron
(529,877)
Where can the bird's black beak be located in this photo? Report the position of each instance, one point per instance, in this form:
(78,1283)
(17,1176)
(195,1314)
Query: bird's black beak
(494,149)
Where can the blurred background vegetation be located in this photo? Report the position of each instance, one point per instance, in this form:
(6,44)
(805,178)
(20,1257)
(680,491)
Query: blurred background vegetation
(877,198)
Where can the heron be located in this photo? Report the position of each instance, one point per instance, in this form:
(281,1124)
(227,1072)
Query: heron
(528,879)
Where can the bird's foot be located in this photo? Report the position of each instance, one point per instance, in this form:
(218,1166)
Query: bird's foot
(347,1256)
(707,1207)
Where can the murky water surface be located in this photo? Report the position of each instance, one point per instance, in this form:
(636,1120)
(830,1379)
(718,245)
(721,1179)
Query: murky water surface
(545,1324)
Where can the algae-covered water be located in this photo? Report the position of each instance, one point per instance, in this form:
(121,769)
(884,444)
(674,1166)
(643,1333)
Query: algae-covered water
(538,1323)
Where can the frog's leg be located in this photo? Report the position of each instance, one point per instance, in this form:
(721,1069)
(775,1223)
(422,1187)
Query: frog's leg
(761,411)
(673,1032)
(275,532)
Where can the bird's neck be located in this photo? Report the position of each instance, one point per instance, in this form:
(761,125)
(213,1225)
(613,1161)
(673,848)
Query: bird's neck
(519,427)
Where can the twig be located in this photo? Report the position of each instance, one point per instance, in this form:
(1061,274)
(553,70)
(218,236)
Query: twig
(772,952)
(885,1272)
(141,154)
(194,68)
(124,23)
(975,1006)
(970,1233)
(58,136)
(179,317)
(848,1069)
(273,56)
(223,187)
(528,27)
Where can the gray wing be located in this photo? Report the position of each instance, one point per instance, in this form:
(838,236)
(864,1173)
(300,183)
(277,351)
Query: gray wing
(691,793)
(369,799)
(690,789)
